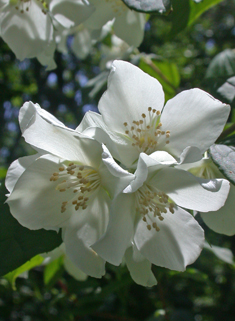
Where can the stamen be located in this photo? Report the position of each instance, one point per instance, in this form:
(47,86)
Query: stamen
(146,134)
(80,179)
(151,204)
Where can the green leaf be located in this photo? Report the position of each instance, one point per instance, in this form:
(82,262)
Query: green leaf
(224,157)
(149,6)
(19,244)
(11,276)
(3,172)
(186,12)
(53,271)
(222,65)
(199,7)
(220,76)
(165,72)
(227,90)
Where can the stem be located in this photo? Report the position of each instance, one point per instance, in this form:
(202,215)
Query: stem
(226,132)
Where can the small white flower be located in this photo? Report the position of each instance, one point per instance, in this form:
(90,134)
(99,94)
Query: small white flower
(66,185)
(150,214)
(128,24)
(133,116)
(223,220)
(28,26)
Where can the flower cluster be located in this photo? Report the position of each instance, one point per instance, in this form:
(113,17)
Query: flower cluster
(40,25)
(117,186)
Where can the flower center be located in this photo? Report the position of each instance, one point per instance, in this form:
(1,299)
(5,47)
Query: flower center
(24,5)
(207,170)
(147,136)
(117,6)
(81,180)
(151,204)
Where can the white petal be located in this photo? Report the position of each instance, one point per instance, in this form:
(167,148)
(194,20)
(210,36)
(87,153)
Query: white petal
(177,244)
(140,177)
(114,177)
(41,130)
(194,118)
(81,255)
(129,26)
(189,191)
(84,229)
(190,154)
(28,33)
(112,246)
(140,269)
(92,125)
(73,270)
(103,13)
(82,44)
(130,92)
(70,12)
(34,201)
(17,168)
(223,220)
(46,58)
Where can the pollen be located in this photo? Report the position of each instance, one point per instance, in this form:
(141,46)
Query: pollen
(146,134)
(24,5)
(152,204)
(77,182)
(117,6)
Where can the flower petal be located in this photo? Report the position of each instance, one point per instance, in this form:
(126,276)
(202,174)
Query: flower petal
(129,26)
(84,229)
(42,130)
(189,191)
(114,177)
(92,125)
(177,244)
(223,220)
(70,13)
(112,246)
(130,92)
(194,118)
(103,13)
(139,267)
(17,168)
(71,268)
(34,201)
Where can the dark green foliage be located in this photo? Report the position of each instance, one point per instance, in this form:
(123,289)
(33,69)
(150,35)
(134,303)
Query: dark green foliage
(19,244)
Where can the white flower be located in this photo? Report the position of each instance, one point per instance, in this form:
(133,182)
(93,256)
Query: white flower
(150,214)
(223,220)
(28,26)
(133,116)
(128,24)
(66,185)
